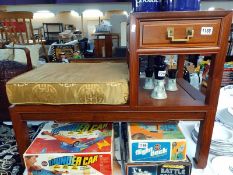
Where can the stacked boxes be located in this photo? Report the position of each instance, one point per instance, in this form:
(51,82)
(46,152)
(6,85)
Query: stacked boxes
(156,149)
(71,148)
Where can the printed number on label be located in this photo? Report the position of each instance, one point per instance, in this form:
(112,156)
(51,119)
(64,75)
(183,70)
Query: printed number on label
(206,30)
(142,145)
(161,73)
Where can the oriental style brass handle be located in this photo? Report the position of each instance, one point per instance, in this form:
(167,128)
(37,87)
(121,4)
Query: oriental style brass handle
(171,34)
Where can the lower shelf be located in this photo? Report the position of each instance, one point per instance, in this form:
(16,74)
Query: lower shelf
(186,96)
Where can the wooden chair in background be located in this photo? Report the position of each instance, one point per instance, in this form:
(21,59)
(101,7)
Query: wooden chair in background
(16,28)
(17,32)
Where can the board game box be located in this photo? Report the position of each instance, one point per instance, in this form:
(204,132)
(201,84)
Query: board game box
(71,148)
(165,168)
(155,142)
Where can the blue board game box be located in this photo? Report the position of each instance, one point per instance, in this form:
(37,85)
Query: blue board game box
(156,142)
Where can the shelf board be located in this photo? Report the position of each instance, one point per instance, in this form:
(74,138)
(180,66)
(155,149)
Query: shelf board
(186,97)
(53,32)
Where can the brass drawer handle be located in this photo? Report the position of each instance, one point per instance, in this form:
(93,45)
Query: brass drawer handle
(171,34)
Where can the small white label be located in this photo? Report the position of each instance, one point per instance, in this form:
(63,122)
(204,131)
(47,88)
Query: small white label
(207,30)
(161,73)
(133,28)
(142,145)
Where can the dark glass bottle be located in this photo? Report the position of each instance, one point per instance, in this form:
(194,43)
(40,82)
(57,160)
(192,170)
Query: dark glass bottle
(149,72)
(149,82)
(159,67)
(186,75)
(172,73)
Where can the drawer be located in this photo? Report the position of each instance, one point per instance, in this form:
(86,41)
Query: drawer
(188,33)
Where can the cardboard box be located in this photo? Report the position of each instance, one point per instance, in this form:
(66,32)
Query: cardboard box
(156,142)
(71,148)
(166,168)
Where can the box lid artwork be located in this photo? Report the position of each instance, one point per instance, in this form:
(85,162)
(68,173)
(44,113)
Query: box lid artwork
(160,168)
(71,148)
(149,142)
(152,131)
(73,138)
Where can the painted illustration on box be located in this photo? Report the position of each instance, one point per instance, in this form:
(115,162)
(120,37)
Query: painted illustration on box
(174,169)
(150,131)
(68,164)
(141,170)
(150,142)
(178,150)
(150,151)
(73,138)
(71,149)
(169,168)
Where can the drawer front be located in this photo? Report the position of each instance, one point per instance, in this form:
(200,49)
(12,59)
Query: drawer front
(188,33)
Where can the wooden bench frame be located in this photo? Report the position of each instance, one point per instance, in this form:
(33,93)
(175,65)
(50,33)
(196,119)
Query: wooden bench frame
(201,108)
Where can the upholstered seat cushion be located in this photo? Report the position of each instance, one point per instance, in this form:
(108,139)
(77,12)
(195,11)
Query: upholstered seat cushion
(73,83)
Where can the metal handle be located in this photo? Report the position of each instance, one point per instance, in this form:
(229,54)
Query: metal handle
(171,34)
